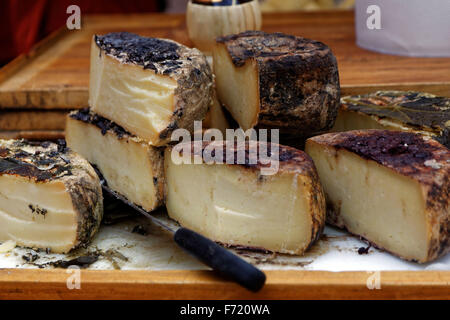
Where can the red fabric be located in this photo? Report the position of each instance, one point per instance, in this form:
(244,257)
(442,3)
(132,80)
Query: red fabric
(24,22)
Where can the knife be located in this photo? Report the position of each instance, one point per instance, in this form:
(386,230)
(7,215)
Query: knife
(207,251)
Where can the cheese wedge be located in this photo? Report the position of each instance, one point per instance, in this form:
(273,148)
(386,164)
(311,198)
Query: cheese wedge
(50,197)
(148,86)
(238,206)
(417,112)
(130,166)
(277,81)
(389,187)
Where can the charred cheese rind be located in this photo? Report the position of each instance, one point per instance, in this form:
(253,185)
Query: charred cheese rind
(148,86)
(50,197)
(235,205)
(129,165)
(277,81)
(417,112)
(389,187)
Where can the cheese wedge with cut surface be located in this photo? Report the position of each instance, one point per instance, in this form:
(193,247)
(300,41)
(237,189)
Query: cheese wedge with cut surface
(235,205)
(410,111)
(389,187)
(148,86)
(130,166)
(277,81)
(50,197)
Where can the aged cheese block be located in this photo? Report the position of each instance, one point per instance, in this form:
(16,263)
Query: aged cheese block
(130,166)
(417,112)
(148,86)
(277,81)
(50,197)
(236,205)
(390,187)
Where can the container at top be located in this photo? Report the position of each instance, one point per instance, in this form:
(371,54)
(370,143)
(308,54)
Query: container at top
(208,19)
(419,28)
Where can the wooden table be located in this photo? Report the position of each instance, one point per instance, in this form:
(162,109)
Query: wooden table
(54,76)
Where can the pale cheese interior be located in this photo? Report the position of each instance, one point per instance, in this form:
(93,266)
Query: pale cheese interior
(55,230)
(375,202)
(237,87)
(125,164)
(215,118)
(137,99)
(231,205)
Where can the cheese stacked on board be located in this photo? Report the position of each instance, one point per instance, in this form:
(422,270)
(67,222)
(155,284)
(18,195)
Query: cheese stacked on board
(389,187)
(141,90)
(129,165)
(148,86)
(274,81)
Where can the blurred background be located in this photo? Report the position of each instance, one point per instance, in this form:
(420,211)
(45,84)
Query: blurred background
(25,22)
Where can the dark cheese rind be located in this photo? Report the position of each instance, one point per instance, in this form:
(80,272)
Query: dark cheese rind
(48,162)
(419,111)
(160,55)
(289,159)
(105,125)
(298,80)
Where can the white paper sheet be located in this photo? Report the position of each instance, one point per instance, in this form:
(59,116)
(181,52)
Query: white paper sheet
(120,248)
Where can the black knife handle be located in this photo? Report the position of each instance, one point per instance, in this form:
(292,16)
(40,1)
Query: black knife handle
(220,259)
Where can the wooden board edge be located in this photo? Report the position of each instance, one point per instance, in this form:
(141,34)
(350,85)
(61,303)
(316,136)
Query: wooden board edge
(38,135)
(30,99)
(192,285)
